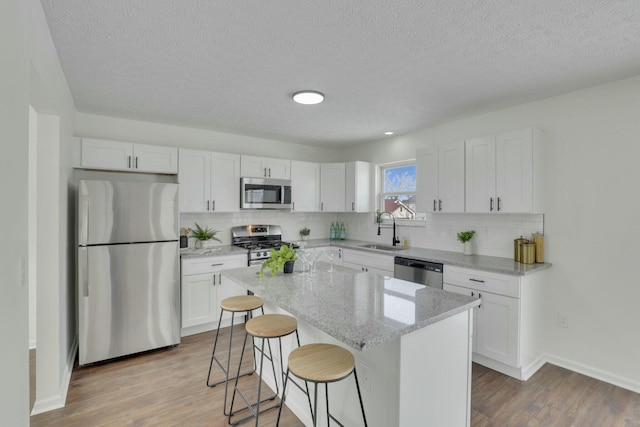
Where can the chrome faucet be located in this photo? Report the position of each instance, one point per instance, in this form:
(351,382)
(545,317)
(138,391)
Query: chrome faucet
(395,240)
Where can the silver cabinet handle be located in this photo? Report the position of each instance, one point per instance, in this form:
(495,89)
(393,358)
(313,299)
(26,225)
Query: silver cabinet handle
(220,279)
(265,172)
(491,204)
(269,172)
(213,205)
(136,162)
(321,206)
(207,205)
(218,264)
(214,280)
(339,253)
(439,204)
(434,205)
(129,162)
(498,204)
(353,206)
(473,294)
(477,280)
(293,206)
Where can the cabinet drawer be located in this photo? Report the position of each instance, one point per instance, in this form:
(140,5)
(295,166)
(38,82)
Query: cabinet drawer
(382,262)
(499,284)
(212,264)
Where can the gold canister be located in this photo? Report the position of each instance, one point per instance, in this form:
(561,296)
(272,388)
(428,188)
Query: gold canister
(538,239)
(528,253)
(517,252)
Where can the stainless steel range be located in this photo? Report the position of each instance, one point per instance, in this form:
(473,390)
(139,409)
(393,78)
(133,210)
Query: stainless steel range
(258,239)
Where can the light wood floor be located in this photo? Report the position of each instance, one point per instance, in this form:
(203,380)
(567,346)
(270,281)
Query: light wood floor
(167,388)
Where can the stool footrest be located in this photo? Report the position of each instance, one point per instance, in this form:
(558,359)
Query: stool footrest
(250,406)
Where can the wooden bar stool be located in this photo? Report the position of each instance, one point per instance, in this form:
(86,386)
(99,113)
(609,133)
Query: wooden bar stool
(266,327)
(321,363)
(238,304)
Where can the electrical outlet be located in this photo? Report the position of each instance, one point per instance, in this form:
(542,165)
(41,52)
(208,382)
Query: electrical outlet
(563,320)
(364,376)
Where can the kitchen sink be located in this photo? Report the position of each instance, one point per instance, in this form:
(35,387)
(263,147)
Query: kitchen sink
(382,247)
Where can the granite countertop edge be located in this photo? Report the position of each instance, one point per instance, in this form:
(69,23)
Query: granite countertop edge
(475,262)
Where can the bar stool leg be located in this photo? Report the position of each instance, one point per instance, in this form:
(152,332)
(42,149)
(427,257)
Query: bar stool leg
(355,376)
(255,413)
(249,313)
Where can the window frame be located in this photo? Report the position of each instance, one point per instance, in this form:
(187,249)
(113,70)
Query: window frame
(380,181)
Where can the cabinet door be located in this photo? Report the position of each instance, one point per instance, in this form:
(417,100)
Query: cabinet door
(358,187)
(155,158)
(481,175)
(470,293)
(251,166)
(264,167)
(105,154)
(194,177)
(498,325)
(198,300)
(427,179)
(332,187)
(451,177)
(225,182)
(305,186)
(278,168)
(226,288)
(514,171)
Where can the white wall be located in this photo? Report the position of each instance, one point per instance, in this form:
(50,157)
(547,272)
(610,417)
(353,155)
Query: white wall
(591,220)
(90,125)
(14,121)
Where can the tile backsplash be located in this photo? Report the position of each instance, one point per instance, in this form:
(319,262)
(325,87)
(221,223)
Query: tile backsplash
(494,233)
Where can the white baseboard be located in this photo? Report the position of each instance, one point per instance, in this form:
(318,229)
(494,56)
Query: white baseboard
(58,401)
(596,373)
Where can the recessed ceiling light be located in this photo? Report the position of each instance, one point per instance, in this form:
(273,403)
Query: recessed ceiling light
(388,132)
(308,97)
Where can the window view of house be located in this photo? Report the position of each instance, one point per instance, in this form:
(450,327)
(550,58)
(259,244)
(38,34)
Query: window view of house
(398,194)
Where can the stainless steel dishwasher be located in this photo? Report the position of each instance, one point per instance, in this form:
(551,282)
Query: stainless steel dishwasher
(417,271)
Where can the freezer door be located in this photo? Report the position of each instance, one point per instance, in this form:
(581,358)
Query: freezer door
(123,212)
(129,299)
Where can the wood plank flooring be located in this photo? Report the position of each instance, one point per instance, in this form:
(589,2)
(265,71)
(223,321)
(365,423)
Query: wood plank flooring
(167,388)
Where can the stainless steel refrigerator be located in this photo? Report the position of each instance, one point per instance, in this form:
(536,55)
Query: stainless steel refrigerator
(128,268)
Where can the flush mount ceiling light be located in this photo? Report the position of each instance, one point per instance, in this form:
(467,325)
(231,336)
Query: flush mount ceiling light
(308,97)
(388,132)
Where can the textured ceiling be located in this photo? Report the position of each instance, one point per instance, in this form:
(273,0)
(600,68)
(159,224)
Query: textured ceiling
(232,65)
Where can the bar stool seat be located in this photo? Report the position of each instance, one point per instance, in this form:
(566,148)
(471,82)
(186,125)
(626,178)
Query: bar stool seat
(266,327)
(237,304)
(321,363)
(241,303)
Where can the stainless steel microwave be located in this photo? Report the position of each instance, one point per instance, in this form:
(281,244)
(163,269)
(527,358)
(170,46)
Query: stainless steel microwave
(265,193)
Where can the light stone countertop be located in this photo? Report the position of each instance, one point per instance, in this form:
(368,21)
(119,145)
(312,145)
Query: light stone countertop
(476,262)
(360,309)
(214,251)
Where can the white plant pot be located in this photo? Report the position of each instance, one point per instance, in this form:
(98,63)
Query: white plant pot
(202,244)
(467,250)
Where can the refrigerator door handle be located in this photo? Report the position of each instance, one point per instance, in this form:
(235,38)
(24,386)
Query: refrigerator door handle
(83,270)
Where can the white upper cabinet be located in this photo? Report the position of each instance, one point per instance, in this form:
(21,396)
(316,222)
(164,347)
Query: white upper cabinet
(332,187)
(209,182)
(440,178)
(127,156)
(305,186)
(263,167)
(503,172)
(358,187)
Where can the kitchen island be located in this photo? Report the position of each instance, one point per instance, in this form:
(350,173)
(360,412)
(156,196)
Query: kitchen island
(412,343)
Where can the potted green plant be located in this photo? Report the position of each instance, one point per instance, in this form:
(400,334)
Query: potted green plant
(205,236)
(279,260)
(304,233)
(465,238)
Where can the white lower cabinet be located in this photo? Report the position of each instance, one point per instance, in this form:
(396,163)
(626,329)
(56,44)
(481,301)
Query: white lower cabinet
(505,336)
(368,261)
(203,287)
